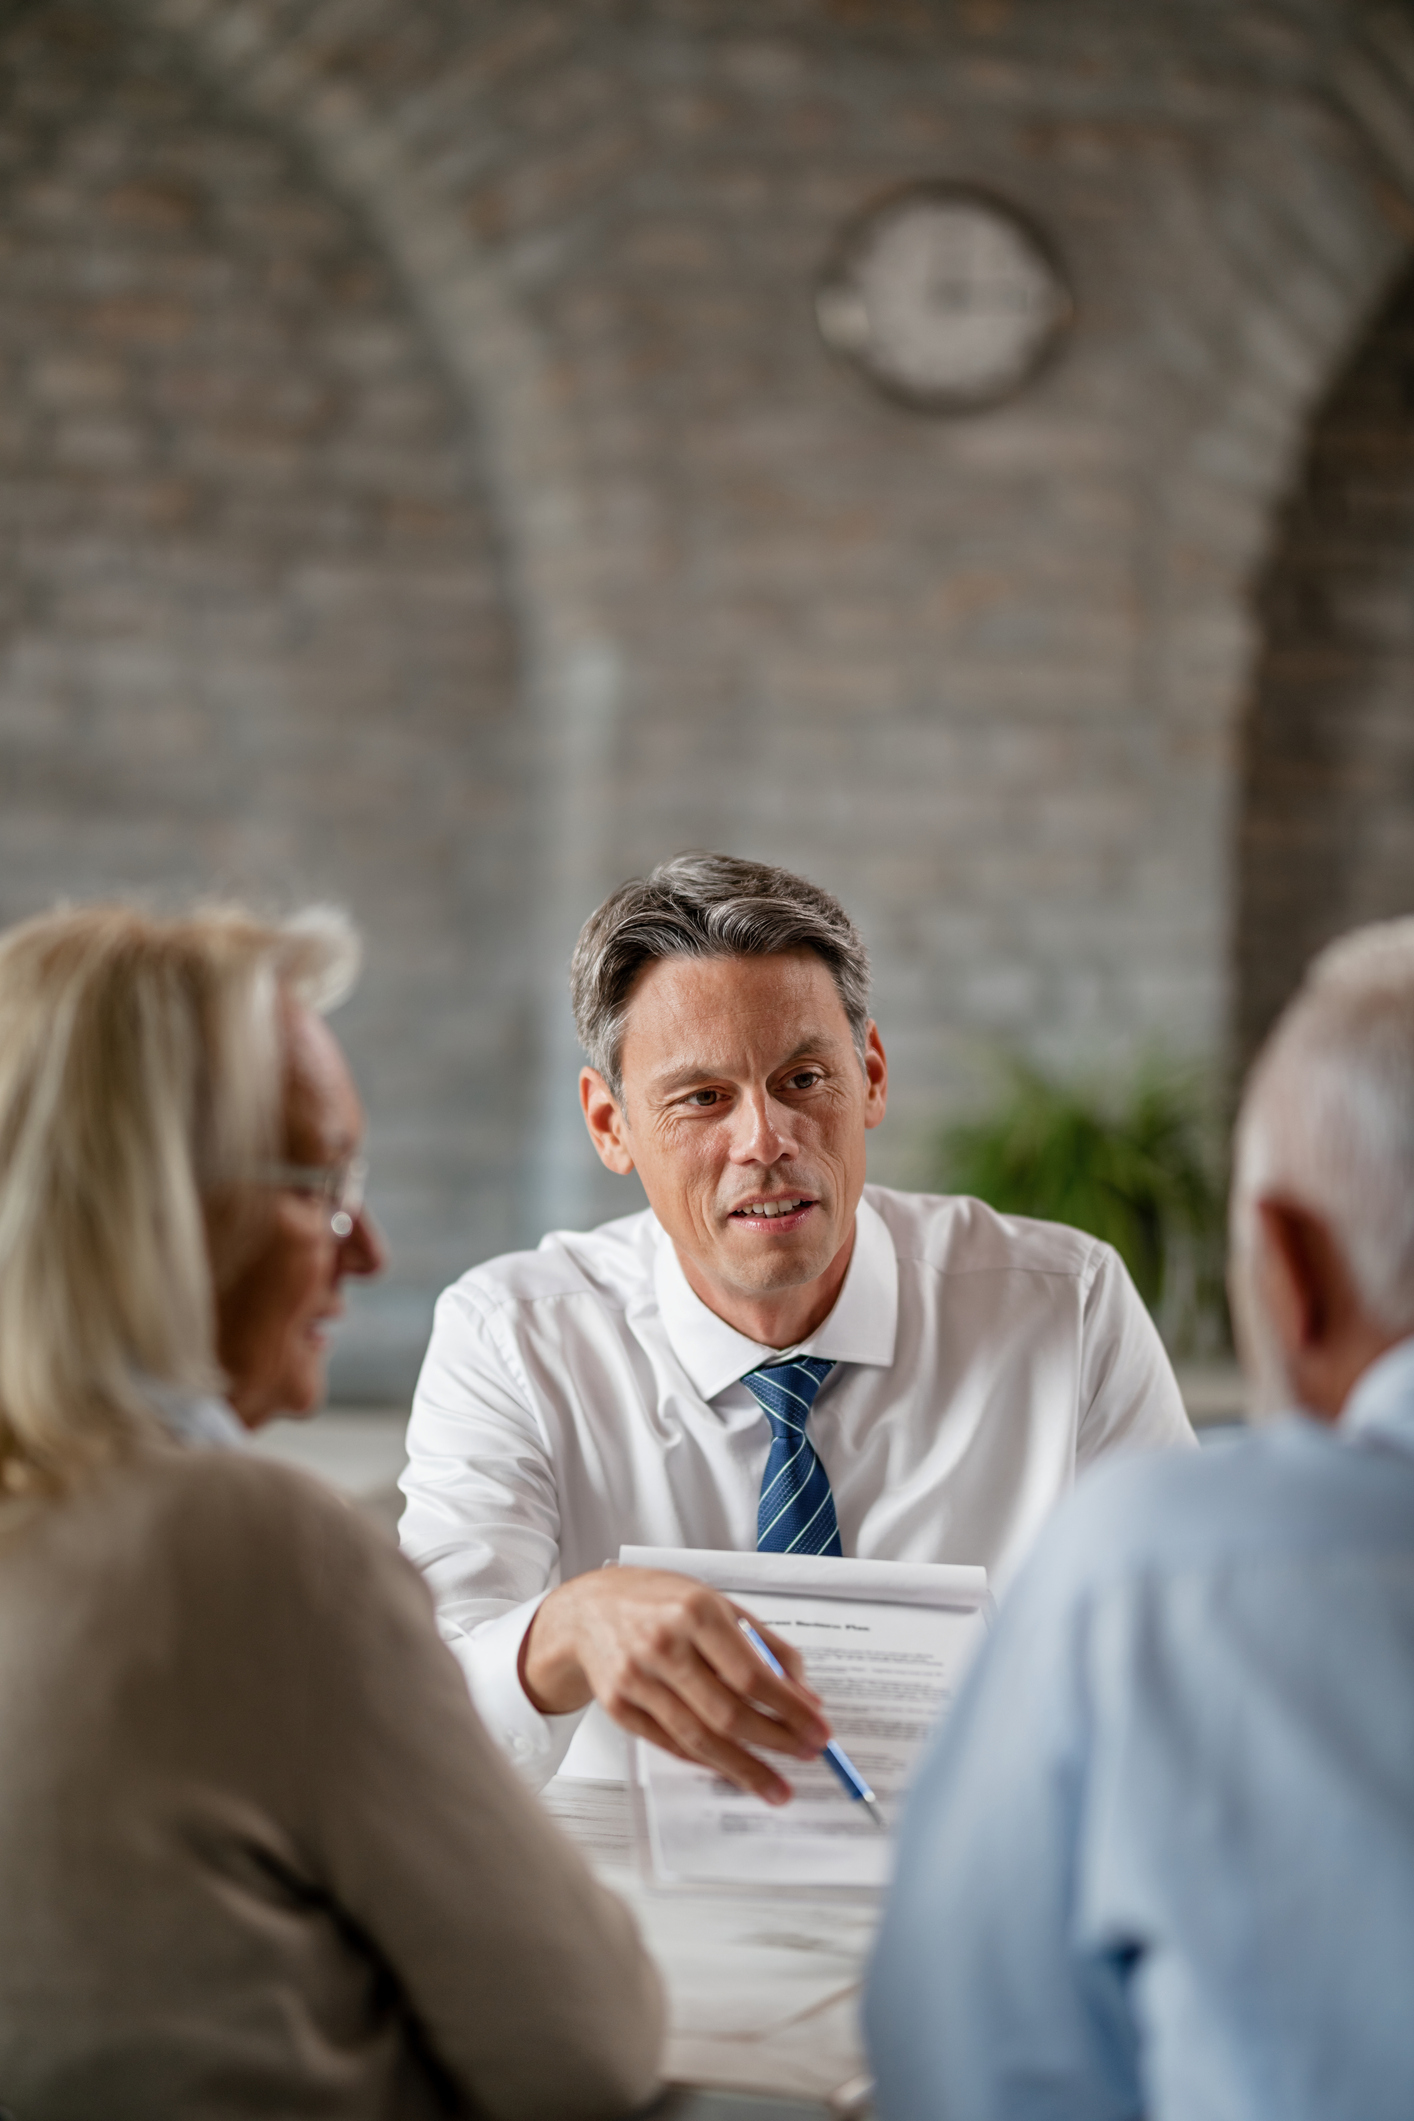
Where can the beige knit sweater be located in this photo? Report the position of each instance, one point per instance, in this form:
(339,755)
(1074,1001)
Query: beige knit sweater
(257,1854)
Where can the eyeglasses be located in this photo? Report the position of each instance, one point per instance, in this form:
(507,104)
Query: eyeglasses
(339,1186)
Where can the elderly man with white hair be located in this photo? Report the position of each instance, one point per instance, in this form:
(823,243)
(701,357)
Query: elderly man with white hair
(1161,1859)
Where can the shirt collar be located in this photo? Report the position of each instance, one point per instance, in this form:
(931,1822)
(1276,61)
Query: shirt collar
(862,1326)
(209,1422)
(1383,1399)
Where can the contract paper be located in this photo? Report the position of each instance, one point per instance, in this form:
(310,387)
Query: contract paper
(885,1646)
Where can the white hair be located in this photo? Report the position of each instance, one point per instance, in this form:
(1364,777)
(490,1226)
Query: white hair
(1328,1115)
(141,1075)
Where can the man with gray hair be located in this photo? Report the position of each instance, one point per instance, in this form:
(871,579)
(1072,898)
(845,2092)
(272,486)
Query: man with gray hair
(774,1356)
(1161,1859)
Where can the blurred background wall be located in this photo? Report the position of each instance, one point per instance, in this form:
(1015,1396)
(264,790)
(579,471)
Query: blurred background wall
(423,484)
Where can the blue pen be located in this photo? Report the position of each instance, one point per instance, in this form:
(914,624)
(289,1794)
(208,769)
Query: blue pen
(849,1775)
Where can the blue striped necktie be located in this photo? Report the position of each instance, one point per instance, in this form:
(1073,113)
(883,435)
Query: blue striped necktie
(796,1513)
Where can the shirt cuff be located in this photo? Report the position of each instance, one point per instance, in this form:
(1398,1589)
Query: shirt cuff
(490,1658)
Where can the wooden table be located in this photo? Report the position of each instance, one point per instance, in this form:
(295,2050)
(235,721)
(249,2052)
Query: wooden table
(763,1989)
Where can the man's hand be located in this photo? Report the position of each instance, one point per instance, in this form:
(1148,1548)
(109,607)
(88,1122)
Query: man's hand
(667,1659)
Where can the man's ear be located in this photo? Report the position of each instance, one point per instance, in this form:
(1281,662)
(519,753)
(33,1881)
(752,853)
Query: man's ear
(1301,1274)
(603,1115)
(876,1077)
(1327,1335)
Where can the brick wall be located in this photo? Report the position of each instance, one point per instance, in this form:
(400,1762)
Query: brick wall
(1328,816)
(253,626)
(524,531)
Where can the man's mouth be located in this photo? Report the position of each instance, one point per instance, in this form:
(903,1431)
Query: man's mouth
(789,1205)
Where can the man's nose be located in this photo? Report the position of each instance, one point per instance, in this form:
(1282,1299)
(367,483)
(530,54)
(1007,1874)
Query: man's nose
(762,1133)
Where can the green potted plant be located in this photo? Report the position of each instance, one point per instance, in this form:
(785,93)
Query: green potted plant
(1135,1166)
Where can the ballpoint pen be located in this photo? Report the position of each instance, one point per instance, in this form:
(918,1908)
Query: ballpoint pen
(845,1769)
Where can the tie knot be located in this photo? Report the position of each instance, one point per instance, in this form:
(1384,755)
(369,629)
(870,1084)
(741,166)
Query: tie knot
(785,1391)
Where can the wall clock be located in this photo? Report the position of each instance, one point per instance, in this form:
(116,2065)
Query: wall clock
(948,299)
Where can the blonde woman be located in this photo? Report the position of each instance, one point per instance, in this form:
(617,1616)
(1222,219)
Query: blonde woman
(257,1855)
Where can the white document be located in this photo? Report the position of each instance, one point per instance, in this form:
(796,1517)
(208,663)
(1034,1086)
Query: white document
(885,1645)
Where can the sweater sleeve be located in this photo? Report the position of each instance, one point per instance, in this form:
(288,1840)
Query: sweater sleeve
(527,1979)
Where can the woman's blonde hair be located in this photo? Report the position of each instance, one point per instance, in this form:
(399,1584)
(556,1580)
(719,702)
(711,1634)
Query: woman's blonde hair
(141,1072)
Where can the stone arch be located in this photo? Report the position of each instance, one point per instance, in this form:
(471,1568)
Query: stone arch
(254,622)
(489,347)
(1290,267)
(1327,829)
(1292,213)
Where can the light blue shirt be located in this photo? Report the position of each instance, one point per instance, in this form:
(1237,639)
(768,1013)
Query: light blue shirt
(1160,1860)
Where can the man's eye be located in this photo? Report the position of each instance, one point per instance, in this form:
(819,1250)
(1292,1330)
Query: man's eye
(703,1098)
(805,1080)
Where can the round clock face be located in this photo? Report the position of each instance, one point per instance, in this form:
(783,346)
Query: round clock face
(944,297)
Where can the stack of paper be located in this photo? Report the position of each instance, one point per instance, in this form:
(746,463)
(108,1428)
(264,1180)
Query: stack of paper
(885,1645)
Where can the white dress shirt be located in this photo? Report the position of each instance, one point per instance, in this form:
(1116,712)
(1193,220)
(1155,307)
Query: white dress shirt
(581,1396)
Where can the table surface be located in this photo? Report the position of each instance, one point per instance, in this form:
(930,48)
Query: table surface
(763,1988)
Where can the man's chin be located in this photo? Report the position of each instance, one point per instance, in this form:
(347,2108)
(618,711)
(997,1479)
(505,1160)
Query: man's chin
(772,1268)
